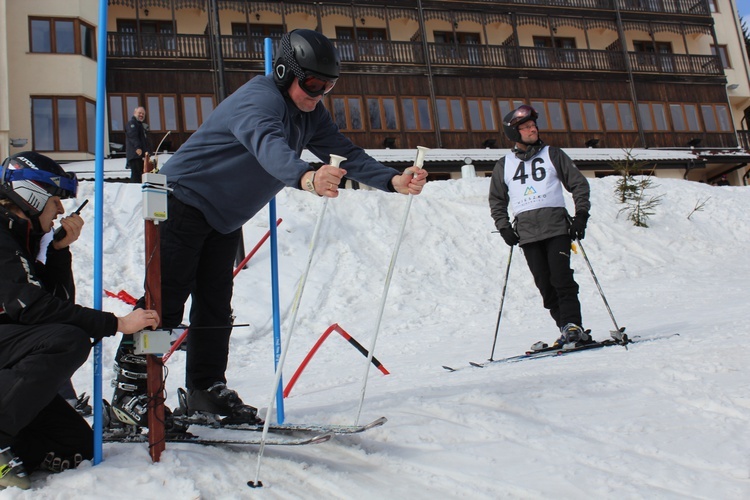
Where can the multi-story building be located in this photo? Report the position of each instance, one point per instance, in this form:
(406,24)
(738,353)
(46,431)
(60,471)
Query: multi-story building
(666,80)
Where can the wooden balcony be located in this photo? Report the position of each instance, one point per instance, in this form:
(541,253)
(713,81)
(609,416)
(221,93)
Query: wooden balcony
(410,54)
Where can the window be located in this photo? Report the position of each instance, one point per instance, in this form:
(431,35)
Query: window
(716,118)
(618,116)
(583,116)
(450,114)
(347,113)
(61,36)
(63,124)
(151,37)
(161,112)
(255,34)
(382,112)
(481,114)
(370,42)
(416,113)
(195,110)
(550,115)
(684,117)
(712,6)
(721,51)
(653,116)
(121,108)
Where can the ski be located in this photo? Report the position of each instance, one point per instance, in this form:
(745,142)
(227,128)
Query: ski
(275,440)
(558,351)
(284,428)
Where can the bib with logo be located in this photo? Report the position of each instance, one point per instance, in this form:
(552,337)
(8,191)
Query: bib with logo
(533,183)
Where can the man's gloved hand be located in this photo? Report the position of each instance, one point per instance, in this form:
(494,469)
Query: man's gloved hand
(510,236)
(577,229)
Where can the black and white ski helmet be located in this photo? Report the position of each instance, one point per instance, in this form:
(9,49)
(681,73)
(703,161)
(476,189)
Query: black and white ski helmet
(512,120)
(29,179)
(304,52)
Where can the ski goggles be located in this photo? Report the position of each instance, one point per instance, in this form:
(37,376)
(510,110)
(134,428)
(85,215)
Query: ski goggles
(315,86)
(64,185)
(522,114)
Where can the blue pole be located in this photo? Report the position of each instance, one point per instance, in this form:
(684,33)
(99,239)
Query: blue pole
(101,100)
(275,271)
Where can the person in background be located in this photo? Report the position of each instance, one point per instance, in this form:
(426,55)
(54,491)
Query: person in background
(44,335)
(136,143)
(529,181)
(243,155)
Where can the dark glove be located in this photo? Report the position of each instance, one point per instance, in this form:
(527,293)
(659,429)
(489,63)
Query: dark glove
(577,228)
(510,236)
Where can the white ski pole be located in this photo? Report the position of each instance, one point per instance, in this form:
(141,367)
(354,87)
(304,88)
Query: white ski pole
(335,161)
(421,151)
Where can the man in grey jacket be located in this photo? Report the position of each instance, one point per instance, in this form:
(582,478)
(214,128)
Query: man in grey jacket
(530,182)
(244,154)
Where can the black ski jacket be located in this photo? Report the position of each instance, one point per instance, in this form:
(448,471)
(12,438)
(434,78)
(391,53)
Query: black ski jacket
(32,293)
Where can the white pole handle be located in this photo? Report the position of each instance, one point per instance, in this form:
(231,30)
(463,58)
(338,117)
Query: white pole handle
(421,151)
(336,160)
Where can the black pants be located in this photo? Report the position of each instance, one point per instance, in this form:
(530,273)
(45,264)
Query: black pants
(549,263)
(136,169)
(198,261)
(35,362)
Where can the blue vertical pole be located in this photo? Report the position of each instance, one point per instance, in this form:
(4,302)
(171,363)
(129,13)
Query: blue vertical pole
(101,100)
(275,271)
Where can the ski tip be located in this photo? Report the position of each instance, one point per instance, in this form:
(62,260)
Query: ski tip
(476,365)
(449,368)
(320,439)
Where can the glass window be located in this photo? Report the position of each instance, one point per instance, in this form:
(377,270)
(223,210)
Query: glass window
(475,116)
(626,115)
(153,112)
(410,118)
(41,39)
(65,40)
(592,119)
(725,124)
(660,117)
(389,108)
(190,110)
(63,124)
(355,113)
(88,41)
(444,119)
(43,127)
(457,114)
(339,112)
(373,109)
(542,123)
(450,114)
(609,111)
(678,119)
(575,117)
(207,105)
(556,118)
(90,127)
(423,107)
(644,111)
(170,113)
(691,113)
(116,119)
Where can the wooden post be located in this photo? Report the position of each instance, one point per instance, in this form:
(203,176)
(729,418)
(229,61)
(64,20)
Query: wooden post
(154,366)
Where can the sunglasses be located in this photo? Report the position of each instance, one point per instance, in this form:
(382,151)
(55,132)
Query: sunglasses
(314,86)
(522,114)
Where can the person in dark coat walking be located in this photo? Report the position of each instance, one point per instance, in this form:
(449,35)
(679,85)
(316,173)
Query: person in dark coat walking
(44,335)
(529,182)
(136,143)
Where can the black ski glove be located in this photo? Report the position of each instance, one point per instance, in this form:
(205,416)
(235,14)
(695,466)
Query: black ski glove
(577,228)
(510,236)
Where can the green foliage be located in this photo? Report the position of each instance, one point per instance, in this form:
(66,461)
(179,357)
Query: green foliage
(631,188)
(746,35)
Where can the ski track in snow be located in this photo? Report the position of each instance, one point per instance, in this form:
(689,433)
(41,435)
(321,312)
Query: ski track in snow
(666,419)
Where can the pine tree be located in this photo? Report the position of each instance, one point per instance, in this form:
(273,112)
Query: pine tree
(631,189)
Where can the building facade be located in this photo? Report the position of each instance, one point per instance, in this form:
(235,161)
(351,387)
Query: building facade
(620,75)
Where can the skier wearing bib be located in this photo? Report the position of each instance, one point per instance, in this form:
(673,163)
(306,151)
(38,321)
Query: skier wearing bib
(529,182)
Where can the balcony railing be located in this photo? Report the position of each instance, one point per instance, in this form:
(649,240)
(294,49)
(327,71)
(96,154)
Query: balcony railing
(132,45)
(691,7)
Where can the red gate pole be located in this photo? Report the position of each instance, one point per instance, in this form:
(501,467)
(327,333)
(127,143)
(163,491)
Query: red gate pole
(154,366)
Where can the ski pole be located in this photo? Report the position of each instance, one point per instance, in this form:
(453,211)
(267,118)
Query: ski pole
(617,334)
(335,161)
(421,151)
(502,301)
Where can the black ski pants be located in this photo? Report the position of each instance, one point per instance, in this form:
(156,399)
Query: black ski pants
(35,362)
(549,263)
(198,261)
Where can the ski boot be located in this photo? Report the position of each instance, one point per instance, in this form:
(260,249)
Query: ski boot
(218,405)
(572,336)
(12,472)
(130,399)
